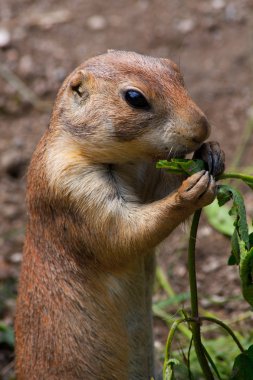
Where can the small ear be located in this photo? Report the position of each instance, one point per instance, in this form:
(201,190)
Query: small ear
(170,63)
(81,82)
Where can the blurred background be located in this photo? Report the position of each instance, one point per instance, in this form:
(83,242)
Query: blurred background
(41,41)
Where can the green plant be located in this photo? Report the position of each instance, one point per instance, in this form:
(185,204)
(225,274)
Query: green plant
(6,335)
(241,255)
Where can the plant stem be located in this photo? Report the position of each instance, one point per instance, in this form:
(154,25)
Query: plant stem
(169,342)
(226,327)
(210,360)
(194,299)
(230,175)
(168,319)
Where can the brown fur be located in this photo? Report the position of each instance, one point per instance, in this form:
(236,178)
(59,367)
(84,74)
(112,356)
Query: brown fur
(97,208)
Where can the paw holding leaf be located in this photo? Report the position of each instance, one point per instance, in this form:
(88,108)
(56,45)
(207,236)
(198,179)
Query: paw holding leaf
(209,157)
(198,190)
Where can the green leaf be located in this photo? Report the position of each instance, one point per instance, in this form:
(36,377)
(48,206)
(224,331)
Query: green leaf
(223,195)
(169,373)
(237,210)
(181,165)
(170,166)
(219,218)
(164,164)
(251,240)
(246,274)
(232,260)
(239,213)
(241,241)
(189,166)
(235,254)
(7,335)
(243,366)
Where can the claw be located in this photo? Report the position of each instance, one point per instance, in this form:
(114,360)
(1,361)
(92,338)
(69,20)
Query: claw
(214,157)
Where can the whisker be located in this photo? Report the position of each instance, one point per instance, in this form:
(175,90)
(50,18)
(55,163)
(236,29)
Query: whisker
(171,151)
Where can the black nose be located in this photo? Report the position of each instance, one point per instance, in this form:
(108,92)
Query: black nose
(203,129)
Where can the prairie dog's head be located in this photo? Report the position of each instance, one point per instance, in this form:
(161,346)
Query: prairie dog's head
(123,106)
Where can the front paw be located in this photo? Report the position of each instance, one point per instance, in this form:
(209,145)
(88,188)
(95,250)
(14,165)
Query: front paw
(214,157)
(197,191)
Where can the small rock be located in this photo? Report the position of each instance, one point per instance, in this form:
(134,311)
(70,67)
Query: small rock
(186,26)
(231,13)
(205,302)
(250,112)
(16,258)
(217,299)
(211,265)
(205,231)
(26,65)
(9,211)
(158,345)
(218,4)
(5,38)
(96,22)
(49,19)
(180,271)
(142,5)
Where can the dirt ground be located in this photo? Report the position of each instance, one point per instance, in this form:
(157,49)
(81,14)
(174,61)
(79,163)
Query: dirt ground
(42,41)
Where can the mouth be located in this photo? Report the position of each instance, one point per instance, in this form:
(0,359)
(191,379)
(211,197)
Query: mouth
(169,154)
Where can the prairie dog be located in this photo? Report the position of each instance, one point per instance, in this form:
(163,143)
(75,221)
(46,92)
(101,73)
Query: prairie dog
(97,208)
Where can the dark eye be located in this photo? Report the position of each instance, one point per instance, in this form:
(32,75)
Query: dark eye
(136,100)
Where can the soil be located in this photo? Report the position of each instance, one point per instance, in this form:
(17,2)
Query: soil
(42,41)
